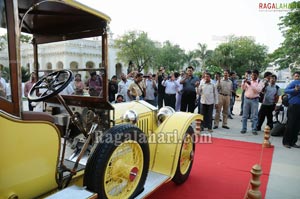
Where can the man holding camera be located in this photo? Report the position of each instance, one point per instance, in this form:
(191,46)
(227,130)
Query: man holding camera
(189,83)
(137,89)
(160,88)
(251,100)
(151,89)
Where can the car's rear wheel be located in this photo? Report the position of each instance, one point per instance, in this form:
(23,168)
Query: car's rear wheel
(119,165)
(186,157)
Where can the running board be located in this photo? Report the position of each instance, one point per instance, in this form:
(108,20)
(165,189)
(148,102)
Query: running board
(73,192)
(153,181)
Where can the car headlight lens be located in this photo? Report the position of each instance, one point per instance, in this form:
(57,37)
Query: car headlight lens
(164,112)
(130,116)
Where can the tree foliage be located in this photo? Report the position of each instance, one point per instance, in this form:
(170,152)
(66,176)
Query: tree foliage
(25,38)
(202,53)
(135,46)
(214,69)
(25,74)
(189,59)
(240,54)
(289,53)
(24,71)
(171,56)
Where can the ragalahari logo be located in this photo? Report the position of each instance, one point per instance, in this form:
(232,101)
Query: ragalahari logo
(277,7)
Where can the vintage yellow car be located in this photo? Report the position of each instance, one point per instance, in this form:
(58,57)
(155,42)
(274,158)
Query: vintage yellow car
(81,146)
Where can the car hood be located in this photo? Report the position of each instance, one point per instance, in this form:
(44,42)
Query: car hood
(139,107)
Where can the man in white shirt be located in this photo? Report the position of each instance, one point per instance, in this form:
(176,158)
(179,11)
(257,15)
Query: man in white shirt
(209,99)
(179,90)
(171,87)
(151,88)
(123,87)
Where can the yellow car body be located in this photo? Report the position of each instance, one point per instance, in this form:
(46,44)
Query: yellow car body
(164,139)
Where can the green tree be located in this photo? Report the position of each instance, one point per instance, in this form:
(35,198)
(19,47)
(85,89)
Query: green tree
(135,46)
(24,71)
(290,28)
(25,74)
(171,56)
(25,38)
(240,54)
(202,54)
(6,73)
(214,69)
(3,41)
(279,57)
(189,59)
(224,53)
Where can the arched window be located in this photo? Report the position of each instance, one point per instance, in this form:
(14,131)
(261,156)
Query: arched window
(33,66)
(49,66)
(59,65)
(73,65)
(28,66)
(90,64)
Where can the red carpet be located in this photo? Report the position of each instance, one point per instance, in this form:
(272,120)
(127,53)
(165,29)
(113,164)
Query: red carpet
(221,170)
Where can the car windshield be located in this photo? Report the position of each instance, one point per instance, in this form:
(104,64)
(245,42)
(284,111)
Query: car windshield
(81,56)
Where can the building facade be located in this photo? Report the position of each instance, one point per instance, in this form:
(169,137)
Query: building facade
(73,54)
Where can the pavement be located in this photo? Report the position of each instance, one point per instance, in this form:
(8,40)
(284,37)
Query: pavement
(284,179)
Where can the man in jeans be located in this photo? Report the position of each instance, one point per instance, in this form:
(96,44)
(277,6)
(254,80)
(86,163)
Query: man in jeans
(271,96)
(251,100)
(290,136)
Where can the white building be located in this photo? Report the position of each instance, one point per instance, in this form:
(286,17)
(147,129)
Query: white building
(73,54)
(282,74)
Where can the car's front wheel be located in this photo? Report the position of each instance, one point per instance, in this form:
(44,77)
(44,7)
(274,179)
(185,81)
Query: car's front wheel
(186,157)
(119,165)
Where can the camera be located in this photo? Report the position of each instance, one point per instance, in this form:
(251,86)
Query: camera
(249,77)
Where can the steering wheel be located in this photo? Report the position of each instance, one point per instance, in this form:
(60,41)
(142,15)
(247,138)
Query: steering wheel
(50,85)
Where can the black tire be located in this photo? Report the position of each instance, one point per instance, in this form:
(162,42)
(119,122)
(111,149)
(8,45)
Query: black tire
(181,176)
(99,173)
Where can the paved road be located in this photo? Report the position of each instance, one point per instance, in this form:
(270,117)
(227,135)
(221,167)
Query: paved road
(284,179)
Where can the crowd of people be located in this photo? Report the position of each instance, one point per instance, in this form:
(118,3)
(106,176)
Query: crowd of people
(213,96)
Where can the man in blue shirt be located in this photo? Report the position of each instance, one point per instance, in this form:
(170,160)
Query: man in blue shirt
(271,95)
(290,136)
(189,83)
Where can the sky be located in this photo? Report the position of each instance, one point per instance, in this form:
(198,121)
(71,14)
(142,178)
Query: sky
(190,22)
